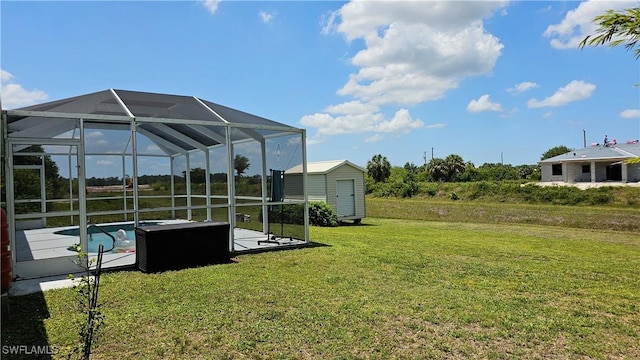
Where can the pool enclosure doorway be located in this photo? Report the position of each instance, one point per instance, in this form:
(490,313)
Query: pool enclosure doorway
(119,156)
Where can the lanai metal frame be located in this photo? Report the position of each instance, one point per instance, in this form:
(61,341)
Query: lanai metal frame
(178,125)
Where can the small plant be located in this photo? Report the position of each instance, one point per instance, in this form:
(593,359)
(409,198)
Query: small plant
(90,318)
(454,196)
(75,247)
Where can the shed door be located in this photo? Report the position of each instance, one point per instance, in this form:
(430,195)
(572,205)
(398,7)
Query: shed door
(346,199)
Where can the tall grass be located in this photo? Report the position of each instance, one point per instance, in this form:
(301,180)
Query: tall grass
(515,192)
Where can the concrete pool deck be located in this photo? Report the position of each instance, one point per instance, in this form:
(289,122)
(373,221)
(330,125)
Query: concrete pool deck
(43,243)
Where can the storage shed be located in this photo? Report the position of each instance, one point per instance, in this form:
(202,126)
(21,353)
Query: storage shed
(339,183)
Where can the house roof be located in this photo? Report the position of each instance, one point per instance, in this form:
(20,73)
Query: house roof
(599,153)
(176,123)
(322,167)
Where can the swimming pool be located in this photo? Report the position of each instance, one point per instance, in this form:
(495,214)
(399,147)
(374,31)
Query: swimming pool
(124,234)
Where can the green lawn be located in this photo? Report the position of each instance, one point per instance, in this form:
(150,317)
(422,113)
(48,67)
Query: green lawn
(391,288)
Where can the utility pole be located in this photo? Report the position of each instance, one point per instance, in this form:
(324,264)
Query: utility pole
(584,138)
(432,153)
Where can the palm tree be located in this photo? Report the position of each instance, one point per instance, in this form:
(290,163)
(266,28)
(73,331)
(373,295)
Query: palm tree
(241,164)
(616,28)
(437,169)
(379,168)
(454,165)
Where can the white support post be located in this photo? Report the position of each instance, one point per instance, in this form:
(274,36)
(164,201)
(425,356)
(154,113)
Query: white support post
(173,187)
(187,178)
(231,190)
(82,194)
(10,190)
(134,158)
(303,136)
(207,182)
(43,193)
(265,207)
(124,188)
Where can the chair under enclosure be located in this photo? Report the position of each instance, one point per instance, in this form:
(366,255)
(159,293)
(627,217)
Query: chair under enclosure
(122,160)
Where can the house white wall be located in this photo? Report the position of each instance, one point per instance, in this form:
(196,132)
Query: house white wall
(601,172)
(547,173)
(572,172)
(575,174)
(633,172)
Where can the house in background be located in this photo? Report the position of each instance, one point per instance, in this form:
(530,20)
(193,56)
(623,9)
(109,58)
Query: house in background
(339,183)
(594,164)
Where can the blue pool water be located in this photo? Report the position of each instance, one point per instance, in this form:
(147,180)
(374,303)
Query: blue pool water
(123,233)
(95,239)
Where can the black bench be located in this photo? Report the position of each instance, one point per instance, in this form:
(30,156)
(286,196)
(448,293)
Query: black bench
(178,246)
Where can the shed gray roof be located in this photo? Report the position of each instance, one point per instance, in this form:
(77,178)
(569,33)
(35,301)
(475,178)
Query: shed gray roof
(322,167)
(598,153)
(176,123)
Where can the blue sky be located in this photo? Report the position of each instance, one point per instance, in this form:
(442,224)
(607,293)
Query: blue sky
(488,81)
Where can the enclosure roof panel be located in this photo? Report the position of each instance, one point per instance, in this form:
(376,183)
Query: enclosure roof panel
(186,122)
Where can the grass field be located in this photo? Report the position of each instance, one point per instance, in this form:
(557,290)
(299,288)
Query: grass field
(391,288)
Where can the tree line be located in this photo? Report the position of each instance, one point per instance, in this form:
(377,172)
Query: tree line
(453,168)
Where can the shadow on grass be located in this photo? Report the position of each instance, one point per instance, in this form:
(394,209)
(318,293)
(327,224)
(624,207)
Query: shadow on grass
(23,332)
(353,223)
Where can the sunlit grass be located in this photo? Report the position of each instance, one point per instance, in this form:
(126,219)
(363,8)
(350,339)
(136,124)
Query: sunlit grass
(389,288)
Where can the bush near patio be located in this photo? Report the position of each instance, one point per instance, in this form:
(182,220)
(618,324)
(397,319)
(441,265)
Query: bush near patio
(320,214)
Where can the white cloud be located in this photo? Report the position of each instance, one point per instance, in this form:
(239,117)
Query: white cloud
(153,149)
(574,91)
(355,118)
(14,95)
(401,121)
(577,23)
(5,76)
(522,87)
(211,5)
(343,124)
(374,138)
(104,162)
(437,126)
(547,115)
(94,134)
(416,51)
(413,52)
(630,114)
(266,17)
(483,104)
(351,107)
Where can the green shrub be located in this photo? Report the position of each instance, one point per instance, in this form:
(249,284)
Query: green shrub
(321,214)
